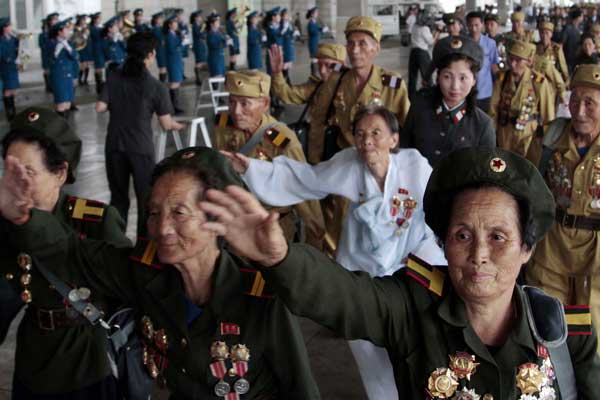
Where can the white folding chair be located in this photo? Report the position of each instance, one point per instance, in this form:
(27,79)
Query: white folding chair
(194,122)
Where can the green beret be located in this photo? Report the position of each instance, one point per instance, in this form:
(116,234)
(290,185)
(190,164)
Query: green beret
(449,18)
(216,171)
(462,45)
(49,124)
(481,166)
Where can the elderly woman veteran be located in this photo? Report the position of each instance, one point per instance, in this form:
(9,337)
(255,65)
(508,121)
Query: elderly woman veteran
(463,331)
(210,327)
(384,223)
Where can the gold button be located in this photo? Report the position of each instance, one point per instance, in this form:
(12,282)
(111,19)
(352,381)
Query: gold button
(184,343)
(583,167)
(9,276)
(579,192)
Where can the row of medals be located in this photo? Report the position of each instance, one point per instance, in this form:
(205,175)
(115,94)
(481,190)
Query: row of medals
(239,354)
(409,204)
(561,185)
(531,379)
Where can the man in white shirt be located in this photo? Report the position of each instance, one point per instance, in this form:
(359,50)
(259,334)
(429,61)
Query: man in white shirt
(422,42)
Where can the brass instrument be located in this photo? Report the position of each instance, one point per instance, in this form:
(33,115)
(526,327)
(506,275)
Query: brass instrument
(80,37)
(128,28)
(23,55)
(240,20)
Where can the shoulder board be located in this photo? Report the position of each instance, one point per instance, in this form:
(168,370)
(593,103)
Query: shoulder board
(427,275)
(223,119)
(144,253)
(87,210)
(579,320)
(253,284)
(392,81)
(279,139)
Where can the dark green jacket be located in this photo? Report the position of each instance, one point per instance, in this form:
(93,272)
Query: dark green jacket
(418,327)
(278,367)
(73,357)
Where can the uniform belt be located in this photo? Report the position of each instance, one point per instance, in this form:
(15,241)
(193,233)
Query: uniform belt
(577,221)
(54,319)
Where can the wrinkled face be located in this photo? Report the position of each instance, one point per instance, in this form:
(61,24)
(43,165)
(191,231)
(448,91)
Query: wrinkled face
(456,82)
(454,29)
(373,139)
(491,27)
(174,218)
(45,183)
(362,49)
(518,65)
(483,244)
(246,112)
(584,106)
(326,67)
(588,46)
(545,36)
(475,26)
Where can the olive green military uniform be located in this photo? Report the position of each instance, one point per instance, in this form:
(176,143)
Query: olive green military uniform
(555,54)
(240,311)
(526,36)
(519,108)
(552,75)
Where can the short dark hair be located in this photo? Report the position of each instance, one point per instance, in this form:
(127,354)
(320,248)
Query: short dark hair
(53,157)
(471,100)
(389,117)
(475,14)
(139,46)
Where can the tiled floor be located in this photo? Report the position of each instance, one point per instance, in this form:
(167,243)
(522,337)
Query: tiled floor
(331,359)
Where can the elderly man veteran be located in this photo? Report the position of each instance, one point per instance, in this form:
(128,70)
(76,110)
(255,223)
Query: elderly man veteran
(566,262)
(468,331)
(249,129)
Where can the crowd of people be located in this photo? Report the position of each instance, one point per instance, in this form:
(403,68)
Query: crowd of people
(448,232)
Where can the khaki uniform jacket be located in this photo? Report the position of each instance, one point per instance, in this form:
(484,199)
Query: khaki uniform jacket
(420,320)
(278,367)
(72,357)
(556,55)
(554,78)
(526,37)
(384,87)
(566,262)
(282,141)
(525,105)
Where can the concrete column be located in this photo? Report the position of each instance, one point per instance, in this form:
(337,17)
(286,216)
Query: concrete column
(470,5)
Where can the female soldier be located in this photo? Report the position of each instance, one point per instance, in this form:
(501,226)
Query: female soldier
(445,117)
(97,50)
(174,59)
(161,56)
(208,329)
(289,35)
(233,31)
(9,52)
(468,331)
(272,25)
(184,32)
(85,53)
(314,30)
(113,44)
(199,43)
(62,57)
(384,223)
(58,355)
(255,41)
(216,42)
(43,41)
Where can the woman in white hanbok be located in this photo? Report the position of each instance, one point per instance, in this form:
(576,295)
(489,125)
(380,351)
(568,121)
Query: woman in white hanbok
(384,223)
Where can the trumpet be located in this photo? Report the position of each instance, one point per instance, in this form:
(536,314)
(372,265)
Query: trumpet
(80,38)
(23,56)
(241,17)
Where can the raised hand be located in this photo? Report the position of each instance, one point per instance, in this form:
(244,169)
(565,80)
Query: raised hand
(15,192)
(275,59)
(238,161)
(249,229)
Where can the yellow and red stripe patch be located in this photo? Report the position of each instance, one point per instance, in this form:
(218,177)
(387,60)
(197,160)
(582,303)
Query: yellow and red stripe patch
(86,210)
(277,138)
(144,252)
(579,320)
(427,275)
(254,283)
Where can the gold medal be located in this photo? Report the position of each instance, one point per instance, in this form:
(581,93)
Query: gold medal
(147,327)
(488,396)
(160,340)
(9,276)
(410,203)
(466,394)
(219,350)
(26,296)
(240,352)
(463,365)
(530,379)
(442,383)
(24,261)
(25,279)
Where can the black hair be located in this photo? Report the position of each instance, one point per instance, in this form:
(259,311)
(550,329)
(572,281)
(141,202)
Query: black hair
(267,20)
(165,27)
(310,13)
(475,14)
(389,117)
(54,158)
(154,19)
(53,34)
(139,45)
(587,35)
(471,99)
(193,18)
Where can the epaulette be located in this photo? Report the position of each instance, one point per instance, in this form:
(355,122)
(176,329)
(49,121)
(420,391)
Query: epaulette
(86,210)
(427,275)
(253,284)
(392,81)
(144,252)
(279,139)
(579,320)
(223,119)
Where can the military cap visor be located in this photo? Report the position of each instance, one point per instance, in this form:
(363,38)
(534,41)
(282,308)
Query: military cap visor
(4,22)
(252,15)
(586,75)
(158,14)
(480,166)
(138,11)
(491,17)
(364,24)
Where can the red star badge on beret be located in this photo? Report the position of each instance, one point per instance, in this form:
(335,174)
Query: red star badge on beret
(497,164)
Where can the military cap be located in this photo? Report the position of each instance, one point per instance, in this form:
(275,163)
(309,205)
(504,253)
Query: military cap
(112,21)
(517,16)
(79,17)
(477,166)
(61,24)
(4,22)
(575,12)
(51,15)
(283,11)
(157,15)
(252,15)
(333,51)
(124,12)
(462,45)
(521,49)
(217,172)
(274,10)
(586,75)
(450,19)
(138,11)
(95,15)
(230,12)
(171,18)
(195,14)
(312,9)
(250,83)
(49,124)
(179,11)
(546,25)
(364,24)
(213,16)
(595,29)
(491,17)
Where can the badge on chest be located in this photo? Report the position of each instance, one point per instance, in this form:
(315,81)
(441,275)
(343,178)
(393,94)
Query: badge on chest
(229,363)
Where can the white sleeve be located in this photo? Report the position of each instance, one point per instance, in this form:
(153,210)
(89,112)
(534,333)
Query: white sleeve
(427,36)
(58,49)
(286,182)
(429,250)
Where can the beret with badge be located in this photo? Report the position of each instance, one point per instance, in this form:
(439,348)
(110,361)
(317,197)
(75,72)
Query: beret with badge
(333,51)
(461,45)
(364,24)
(481,167)
(586,75)
(546,25)
(250,83)
(521,49)
(48,124)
